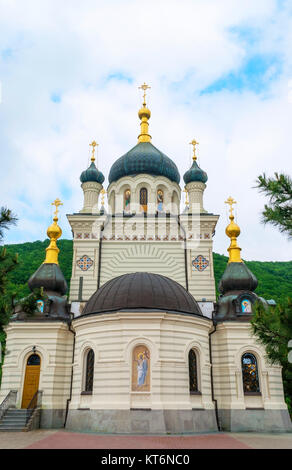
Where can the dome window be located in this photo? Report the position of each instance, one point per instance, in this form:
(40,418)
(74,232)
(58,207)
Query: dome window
(143,199)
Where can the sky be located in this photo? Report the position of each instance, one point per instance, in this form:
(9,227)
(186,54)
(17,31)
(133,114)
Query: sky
(220,72)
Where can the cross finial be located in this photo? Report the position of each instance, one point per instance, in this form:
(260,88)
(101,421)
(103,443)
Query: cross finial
(102,192)
(186,191)
(57,203)
(93,145)
(144,87)
(194,143)
(230,201)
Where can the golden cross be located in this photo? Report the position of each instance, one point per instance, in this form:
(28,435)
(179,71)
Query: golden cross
(194,143)
(186,191)
(144,87)
(230,201)
(102,192)
(93,145)
(57,203)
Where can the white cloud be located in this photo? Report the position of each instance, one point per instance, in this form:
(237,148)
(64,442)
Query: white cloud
(180,47)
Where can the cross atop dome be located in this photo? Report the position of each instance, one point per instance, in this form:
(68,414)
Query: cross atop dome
(194,143)
(144,87)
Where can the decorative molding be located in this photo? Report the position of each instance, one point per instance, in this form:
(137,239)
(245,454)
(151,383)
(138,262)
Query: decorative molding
(200,263)
(85,263)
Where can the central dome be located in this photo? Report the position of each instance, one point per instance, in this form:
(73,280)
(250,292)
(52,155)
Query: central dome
(144,158)
(142,291)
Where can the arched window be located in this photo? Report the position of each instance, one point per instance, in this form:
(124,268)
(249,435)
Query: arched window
(34,360)
(250,373)
(143,199)
(193,372)
(160,199)
(127,200)
(89,371)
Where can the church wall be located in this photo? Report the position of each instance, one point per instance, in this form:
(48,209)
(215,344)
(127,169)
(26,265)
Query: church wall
(266,411)
(165,258)
(54,344)
(169,338)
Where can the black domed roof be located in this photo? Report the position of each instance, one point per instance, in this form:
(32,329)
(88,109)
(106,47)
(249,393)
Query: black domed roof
(144,158)
(141,290)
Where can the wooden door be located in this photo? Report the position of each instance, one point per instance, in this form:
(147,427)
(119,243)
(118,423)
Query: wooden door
(31,380)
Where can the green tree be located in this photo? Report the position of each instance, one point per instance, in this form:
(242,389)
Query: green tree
(279,210)
(8,263)
(273,327)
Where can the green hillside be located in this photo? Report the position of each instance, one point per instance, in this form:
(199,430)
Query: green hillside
(275,278)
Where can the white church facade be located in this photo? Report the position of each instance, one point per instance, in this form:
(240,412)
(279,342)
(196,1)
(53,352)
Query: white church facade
(140,344)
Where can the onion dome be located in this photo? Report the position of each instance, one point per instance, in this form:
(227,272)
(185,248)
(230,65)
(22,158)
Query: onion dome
(142,290)
(237,276)
(195,173)
(92,173)
(144,158)
(49,275)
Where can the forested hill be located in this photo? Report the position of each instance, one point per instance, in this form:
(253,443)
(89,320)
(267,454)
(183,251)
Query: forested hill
(275,278)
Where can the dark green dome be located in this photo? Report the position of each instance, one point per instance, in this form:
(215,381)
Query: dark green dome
(237,276)
(144,158)
(195,174)
(92,174)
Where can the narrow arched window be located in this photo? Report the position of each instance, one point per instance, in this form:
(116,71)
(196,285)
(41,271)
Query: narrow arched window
(89,372)
(193,372)
(127,200)
(250,373)
(143,199)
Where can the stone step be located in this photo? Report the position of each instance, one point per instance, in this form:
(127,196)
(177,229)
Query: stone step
(11,429)
(13,421)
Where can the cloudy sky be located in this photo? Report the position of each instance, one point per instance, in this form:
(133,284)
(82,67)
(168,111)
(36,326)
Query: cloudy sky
(220,72)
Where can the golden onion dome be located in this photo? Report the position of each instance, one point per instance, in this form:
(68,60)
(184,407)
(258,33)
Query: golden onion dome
(232,230)
(144,112)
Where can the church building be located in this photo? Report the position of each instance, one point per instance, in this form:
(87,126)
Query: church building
(140,344)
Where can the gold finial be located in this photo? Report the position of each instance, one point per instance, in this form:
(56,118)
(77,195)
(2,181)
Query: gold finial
(93,145)
(233,231)
(102,192)
(194,143)
(144,114)
(54,232)
(186,191)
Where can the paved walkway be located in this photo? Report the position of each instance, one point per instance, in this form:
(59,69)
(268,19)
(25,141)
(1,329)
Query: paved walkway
(56,439)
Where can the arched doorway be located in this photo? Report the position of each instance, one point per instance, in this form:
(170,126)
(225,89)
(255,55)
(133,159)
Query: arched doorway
(31,379)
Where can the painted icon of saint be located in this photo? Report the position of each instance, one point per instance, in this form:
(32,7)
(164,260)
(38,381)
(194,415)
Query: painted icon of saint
(160,200)
(246,306)
(127,200)
(141,365)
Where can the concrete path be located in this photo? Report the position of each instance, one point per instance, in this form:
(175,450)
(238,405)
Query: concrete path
(56,439)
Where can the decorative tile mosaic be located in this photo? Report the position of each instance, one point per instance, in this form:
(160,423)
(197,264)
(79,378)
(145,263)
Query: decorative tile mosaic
(200,263)
(85,263)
